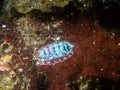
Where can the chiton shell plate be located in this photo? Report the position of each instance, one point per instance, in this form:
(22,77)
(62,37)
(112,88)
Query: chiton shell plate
(54,53)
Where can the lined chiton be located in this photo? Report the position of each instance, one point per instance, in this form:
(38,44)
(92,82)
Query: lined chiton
(54,53)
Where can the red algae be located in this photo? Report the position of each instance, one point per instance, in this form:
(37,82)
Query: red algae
(97,53)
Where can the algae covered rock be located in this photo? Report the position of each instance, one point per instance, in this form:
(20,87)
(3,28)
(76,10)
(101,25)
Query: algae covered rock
(24,6)
(16,8)
(8,80)
(94,83)
(17,67)
(13,9)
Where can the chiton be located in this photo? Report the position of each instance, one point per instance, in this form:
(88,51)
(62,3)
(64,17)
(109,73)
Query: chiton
(54,53)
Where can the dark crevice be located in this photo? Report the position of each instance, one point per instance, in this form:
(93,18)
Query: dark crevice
(108,15)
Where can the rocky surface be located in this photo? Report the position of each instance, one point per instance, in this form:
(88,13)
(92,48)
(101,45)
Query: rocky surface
(94,83)
(96,53)
(17,67)
(89,25)
(13,9)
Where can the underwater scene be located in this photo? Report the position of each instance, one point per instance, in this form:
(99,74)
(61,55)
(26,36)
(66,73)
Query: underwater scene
(59,44)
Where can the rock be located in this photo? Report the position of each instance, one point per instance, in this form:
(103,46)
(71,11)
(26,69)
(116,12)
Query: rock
(94,83)
(17,66)
(16,8)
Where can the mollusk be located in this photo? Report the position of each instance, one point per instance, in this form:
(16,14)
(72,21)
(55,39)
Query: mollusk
(54,53)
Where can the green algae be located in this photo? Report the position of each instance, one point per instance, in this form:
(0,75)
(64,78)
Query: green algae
(94,83)
(24,6)
(13,9)
(8,81)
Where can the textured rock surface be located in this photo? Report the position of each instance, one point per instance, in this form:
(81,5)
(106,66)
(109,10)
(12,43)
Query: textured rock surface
(17,67)
(94,83)
(16,8)
(96,53)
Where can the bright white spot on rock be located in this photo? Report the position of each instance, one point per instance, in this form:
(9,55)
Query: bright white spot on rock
(58,38)
(20,69)
(84,5)
(49,62)
(81,77)
(78,80)
(3,26)
(51,0)
(105,35)
(97,79)
(43,24)
(37,63)
(101,69)
(67,84)
(73,82)
(64,58)
(42,60)
(113,73)
(81,24)
(113,34)
(71,14)
(18,24)
(25,58)
(93,42)
(98,49)
(119,44)
(61,21)
(48,27)
(94,31)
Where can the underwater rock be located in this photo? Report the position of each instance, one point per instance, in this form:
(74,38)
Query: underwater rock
(94,83)
(13,9)
(96,53)
(36,33)
(17,67)
(26,6)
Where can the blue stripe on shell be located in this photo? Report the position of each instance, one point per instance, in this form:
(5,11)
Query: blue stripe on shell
(55,50)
